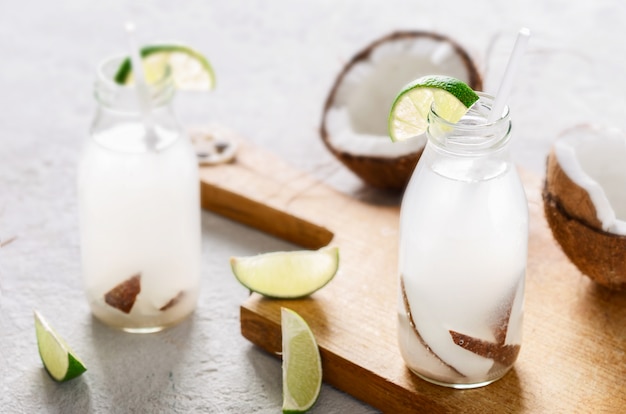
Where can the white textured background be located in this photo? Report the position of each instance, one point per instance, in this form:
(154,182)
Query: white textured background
(275,62)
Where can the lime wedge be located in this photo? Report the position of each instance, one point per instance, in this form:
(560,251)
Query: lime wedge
(287,275)
(302,365)
(409,111)
(190,69)
(57,357)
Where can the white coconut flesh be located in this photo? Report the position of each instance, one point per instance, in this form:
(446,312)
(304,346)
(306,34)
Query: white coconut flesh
(595,160)
(357,119)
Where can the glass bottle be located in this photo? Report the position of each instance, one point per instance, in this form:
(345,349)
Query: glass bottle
(139,209)
(463,251)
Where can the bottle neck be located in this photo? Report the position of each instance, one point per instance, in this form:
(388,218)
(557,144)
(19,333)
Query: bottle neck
(123,98)
(471,150)
(473,135)
(121,125)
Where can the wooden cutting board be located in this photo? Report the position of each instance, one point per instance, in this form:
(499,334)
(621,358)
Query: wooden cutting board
(573,356)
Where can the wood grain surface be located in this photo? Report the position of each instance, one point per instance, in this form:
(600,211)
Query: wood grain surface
(573,356)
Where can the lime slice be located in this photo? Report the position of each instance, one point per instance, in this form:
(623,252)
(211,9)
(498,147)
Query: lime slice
(302,366)
(57,357)
(409,111)
(190,69)
(287,275)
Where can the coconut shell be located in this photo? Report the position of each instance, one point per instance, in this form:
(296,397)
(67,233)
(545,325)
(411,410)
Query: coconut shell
(569,195)
(598,254)
(383,172)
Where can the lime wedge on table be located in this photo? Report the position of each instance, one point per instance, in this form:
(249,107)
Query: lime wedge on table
(57,357)
(287,275)
(190,69)
(409,111)
(302,366)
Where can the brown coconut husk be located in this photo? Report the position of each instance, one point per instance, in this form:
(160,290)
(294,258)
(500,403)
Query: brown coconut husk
(570,196)
(383,172)
(596,253)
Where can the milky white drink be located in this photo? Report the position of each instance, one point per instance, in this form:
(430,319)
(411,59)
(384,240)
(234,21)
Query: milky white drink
(139,213)
(463,249)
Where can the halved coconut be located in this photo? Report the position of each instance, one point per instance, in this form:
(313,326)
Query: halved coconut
(585,201)
(354,122)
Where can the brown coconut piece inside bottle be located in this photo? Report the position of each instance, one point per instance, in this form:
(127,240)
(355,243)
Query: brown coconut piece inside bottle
(585,202)
(354,121)
(123,295)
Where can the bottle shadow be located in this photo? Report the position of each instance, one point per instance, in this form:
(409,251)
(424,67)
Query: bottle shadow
(136,371)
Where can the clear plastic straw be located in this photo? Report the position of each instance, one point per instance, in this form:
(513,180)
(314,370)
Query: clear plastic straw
(504,91)
(141,86)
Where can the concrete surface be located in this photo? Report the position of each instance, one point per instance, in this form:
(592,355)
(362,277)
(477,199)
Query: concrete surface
(275,62)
